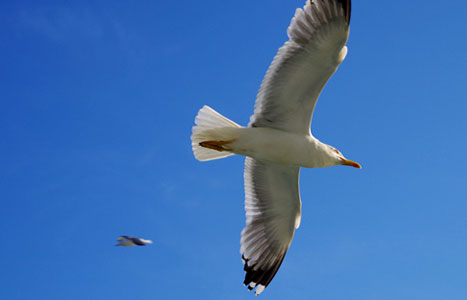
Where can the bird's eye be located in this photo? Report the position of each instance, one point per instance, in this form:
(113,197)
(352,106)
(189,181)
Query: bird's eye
(337,151)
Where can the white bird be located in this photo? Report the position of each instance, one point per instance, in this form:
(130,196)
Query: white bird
(128,241)
(278,140)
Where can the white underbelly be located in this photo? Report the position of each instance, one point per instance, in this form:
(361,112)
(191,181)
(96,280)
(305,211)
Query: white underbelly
(272,145)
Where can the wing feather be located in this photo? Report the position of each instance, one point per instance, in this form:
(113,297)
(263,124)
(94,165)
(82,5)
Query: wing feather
(301,68)
(272,204)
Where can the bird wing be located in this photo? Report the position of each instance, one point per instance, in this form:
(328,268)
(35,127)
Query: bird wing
(272,204)
(302,66)
(137,241)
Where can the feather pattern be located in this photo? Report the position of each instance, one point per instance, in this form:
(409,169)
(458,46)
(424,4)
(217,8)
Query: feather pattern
(272,204)
(301,68)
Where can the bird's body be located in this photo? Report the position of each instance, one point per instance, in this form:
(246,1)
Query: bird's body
(278,146)
(278,140)
(129,241)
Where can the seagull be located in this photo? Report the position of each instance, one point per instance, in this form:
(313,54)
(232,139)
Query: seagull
(128,241)
(278,141)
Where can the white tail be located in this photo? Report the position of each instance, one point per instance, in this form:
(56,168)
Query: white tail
(211,126)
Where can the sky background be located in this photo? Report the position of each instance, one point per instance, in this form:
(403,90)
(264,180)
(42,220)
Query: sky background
(97,103)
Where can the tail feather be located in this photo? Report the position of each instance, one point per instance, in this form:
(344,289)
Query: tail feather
(211,126)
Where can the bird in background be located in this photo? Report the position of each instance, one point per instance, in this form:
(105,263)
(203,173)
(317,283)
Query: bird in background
(278,141)
(129,241)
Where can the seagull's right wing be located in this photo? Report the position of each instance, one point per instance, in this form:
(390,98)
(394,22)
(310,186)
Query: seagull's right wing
(272,204)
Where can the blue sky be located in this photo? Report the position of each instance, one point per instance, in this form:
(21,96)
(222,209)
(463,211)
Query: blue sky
(98,100)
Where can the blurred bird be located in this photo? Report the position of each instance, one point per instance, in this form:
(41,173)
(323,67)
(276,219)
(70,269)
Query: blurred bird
(129,241)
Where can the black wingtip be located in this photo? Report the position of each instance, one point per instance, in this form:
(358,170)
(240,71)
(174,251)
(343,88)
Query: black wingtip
(347,5)
(260,276)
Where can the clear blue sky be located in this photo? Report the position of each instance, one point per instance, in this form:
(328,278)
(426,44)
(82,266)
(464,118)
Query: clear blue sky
(97,104)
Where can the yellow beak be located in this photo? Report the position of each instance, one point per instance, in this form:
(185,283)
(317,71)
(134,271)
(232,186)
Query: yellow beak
(351,163)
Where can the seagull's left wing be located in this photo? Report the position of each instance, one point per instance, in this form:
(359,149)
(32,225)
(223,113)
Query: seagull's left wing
(272,204)
(301,68)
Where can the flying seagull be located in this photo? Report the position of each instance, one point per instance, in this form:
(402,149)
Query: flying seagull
(278,140)
(128,241)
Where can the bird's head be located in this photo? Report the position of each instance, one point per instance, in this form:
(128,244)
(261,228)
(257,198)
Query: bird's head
(340,159)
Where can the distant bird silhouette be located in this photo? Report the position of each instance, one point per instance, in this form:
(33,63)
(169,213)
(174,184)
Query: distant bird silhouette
(129,241)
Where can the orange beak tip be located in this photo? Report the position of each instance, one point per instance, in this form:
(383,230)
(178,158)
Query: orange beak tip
(352,164)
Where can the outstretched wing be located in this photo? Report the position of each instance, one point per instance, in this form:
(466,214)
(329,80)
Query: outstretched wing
(272,204)
(301,68)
